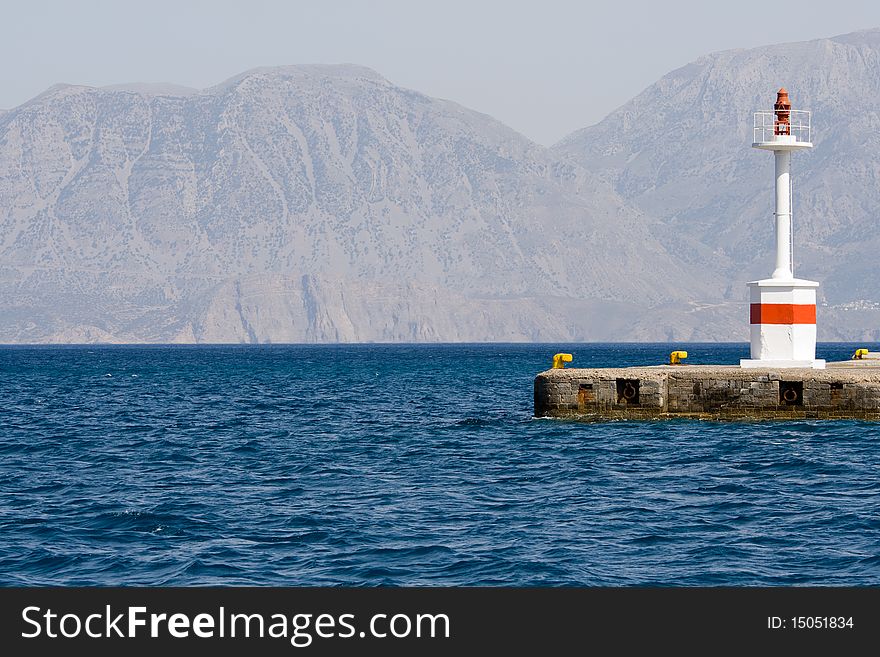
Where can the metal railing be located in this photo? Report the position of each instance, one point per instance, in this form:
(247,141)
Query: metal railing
(766,124)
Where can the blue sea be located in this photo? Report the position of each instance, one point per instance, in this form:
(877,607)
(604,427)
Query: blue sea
(408,465)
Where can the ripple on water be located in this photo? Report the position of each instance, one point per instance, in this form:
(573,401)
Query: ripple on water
(397,464)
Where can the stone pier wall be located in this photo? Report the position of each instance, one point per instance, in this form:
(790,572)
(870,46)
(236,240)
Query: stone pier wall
(712,392)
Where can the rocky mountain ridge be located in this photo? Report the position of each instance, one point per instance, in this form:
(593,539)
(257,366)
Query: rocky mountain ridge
(324,203)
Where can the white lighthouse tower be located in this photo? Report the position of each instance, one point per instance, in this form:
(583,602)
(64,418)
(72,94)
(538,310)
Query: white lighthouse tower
(782,313)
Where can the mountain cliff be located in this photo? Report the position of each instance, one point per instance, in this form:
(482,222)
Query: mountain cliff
(324,203)
(316,203)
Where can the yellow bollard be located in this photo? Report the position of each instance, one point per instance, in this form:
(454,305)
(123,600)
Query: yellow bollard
(860,354)
(676,357)
(559,361)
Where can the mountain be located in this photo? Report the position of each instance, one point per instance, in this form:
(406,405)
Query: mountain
(324,203)
(680,153)
(153,88)
(308,203)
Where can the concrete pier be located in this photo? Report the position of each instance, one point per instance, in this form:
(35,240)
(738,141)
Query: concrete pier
(848,389)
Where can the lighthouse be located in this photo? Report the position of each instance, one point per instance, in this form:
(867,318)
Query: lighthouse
(782,379)
(782,310)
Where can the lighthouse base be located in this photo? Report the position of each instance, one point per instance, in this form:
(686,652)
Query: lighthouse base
(782,319)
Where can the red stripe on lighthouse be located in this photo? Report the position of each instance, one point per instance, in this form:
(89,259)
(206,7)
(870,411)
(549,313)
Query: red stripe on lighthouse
(782,313)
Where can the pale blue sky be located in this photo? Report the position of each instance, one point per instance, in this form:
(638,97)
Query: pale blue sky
(545,68)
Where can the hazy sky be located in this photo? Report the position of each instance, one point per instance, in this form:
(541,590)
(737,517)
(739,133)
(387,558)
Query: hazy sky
(543,67)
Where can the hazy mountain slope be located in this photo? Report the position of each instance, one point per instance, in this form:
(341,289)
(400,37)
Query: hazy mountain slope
(307,203)
(680,152)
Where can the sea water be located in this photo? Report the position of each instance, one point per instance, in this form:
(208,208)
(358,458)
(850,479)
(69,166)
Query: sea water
(408,465)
